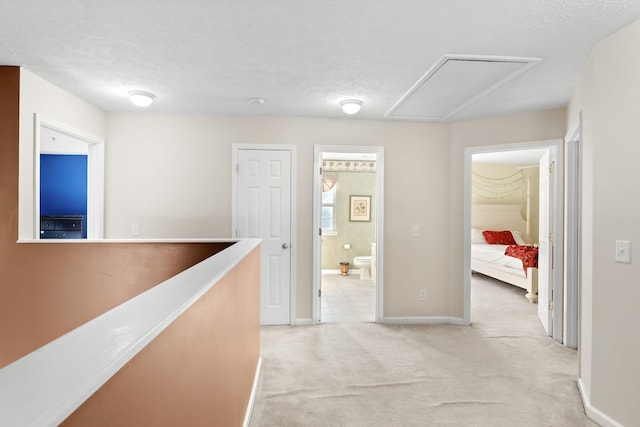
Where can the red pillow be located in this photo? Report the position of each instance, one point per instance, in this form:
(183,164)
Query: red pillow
(499,237)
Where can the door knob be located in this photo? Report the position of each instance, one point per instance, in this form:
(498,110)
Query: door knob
(285,246)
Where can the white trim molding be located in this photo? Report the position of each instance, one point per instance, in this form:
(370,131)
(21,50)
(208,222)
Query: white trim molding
(254,393)
(557,146)
(573,238)
(95,175)
(318,150)
(595,414)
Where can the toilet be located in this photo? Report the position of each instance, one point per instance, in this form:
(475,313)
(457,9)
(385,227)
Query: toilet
(364,264)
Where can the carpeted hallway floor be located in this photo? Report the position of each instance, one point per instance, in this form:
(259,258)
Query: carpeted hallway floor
(501,371)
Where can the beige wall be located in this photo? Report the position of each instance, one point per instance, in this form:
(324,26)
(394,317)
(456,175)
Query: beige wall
(524,127)
(358,234)
(607,97)
(500,170)
(41,97)
(171,174)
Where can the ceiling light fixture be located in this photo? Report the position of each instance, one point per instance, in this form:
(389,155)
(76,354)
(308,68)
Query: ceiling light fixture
(351,106)
(141,98)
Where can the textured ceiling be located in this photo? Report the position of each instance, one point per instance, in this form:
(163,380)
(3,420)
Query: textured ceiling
(301,56)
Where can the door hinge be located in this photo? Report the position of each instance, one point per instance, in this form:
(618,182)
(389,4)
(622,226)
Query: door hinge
(237,167)
(550,305)
(552,167)
(319,293)
(320,170)
(319,231)
(551,237)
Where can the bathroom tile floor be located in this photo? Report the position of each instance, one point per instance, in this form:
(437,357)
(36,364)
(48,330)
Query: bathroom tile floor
(347,299)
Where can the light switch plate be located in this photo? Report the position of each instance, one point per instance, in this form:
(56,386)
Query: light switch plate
(623,251)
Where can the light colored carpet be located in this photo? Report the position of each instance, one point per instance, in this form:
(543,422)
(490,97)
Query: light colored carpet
(501,371)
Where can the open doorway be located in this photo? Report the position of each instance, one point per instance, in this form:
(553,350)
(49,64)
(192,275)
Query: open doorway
(505,179)
(69,182)
(348,202)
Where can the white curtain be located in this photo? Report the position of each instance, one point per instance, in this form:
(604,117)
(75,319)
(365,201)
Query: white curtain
(328,183)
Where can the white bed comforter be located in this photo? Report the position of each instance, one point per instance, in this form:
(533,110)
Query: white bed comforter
(494,254)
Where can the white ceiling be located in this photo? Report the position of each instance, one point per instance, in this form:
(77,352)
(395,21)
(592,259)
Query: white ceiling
(303,56)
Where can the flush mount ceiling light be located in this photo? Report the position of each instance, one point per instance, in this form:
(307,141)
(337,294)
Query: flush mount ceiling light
(141,98)
(351,106)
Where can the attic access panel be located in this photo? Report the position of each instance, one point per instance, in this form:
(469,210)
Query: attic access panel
(455,82)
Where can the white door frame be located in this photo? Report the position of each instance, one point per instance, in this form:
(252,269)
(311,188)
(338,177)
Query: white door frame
(317,222)
(95,175)
(557,146)
(234,208)
(572,225)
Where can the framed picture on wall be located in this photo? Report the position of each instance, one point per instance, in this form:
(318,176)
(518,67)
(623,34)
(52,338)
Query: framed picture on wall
(360,208)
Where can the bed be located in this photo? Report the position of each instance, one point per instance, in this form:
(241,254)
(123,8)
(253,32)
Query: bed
(490,259)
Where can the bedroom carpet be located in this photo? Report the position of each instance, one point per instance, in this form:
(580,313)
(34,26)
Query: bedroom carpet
(501,371)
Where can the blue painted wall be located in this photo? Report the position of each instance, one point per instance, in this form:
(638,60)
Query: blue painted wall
(63,185)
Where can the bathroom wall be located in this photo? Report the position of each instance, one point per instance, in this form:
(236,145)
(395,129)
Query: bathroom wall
(359,235)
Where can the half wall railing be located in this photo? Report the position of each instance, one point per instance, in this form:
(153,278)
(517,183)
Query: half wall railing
(49,385)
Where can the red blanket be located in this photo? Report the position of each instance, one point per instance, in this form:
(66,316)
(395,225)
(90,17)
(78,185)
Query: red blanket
(528,255)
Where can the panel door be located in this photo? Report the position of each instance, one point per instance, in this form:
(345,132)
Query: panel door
(264,211)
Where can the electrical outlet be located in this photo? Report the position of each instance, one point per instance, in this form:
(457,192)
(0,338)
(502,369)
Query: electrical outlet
(623,251)
(423,295)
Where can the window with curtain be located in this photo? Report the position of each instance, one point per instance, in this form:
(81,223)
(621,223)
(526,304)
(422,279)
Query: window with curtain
(328,205)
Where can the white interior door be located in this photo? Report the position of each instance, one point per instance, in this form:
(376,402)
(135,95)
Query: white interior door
(264,211)
(545,242)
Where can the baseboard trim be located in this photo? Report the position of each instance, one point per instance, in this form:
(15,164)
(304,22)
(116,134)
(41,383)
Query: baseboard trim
(425,320)
(302,322)
(595,414)
(254,392)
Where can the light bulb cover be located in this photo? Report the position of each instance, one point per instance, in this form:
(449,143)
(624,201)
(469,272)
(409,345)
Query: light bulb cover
(351,106)
(141,98)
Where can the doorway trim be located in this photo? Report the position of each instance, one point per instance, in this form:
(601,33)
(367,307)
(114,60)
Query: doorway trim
(572,225)
(235,148)
(557,288)
(318,150)
(95,175)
